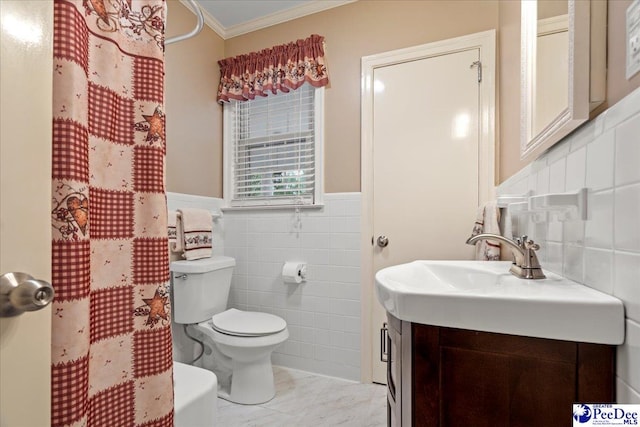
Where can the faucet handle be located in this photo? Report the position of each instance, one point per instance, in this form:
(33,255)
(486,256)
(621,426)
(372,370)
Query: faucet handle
(530,244)
(521,241)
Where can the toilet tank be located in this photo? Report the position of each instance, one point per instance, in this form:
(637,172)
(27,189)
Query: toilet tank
(200,288)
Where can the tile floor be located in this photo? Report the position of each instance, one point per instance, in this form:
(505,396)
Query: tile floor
(305,399)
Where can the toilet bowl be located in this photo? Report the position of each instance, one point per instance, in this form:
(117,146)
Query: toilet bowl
(245,341)
(237,344)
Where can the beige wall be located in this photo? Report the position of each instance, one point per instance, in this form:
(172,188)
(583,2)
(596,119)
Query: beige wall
(194,119)
(366,27)
(509,52)
(358,29)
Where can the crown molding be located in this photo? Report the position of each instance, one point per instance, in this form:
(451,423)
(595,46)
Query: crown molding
(284,16)
(209,20)
(269,20)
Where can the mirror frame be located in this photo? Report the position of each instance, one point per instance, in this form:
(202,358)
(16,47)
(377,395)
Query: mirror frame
(586,73)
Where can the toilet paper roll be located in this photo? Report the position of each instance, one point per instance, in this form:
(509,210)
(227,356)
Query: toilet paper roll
(294,272)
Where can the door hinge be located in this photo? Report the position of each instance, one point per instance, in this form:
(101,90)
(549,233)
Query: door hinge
(479,65)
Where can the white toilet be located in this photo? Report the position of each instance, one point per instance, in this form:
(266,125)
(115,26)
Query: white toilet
(237,344)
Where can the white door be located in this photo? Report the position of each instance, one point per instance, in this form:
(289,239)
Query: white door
(426,158)
(25,204)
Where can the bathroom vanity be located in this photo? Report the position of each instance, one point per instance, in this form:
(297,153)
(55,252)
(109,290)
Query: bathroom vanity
(469,344)
(441,376)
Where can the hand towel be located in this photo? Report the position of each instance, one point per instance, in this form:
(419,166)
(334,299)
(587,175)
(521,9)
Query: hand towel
(487,221)
(195,228)
(175,245)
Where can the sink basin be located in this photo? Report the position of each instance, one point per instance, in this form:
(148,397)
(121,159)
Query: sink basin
(484,296)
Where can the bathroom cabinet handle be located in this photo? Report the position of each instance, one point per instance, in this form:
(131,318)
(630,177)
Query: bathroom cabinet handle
(384,352)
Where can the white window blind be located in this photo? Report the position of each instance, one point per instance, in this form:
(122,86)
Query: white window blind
(274,152)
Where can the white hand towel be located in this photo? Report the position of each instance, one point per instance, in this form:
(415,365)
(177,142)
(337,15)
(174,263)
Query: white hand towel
(195,229)
(487,221)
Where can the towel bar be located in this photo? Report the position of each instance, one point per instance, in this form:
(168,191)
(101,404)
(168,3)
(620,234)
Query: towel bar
(214,215)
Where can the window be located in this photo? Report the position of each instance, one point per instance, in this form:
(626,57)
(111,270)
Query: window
(273,149)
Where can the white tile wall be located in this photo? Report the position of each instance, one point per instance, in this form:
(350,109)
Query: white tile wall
(604,251)
(323,313)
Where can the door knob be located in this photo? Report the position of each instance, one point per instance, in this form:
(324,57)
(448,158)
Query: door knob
(383,241)
(20,292)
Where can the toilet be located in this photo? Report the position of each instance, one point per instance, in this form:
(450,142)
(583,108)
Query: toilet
(237,345)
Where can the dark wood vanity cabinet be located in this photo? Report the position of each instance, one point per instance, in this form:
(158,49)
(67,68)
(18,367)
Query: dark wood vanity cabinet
(449,377)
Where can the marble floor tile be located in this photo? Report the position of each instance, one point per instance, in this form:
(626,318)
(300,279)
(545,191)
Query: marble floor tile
(305,399)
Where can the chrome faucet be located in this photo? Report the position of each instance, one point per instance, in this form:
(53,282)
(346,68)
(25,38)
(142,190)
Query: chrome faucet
(525,264)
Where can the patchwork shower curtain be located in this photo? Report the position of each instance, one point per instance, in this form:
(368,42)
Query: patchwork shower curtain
(111,349)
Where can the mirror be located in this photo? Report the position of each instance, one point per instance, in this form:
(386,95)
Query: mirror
(563,69)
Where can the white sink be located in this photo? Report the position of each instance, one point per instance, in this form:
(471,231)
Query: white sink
(484,296)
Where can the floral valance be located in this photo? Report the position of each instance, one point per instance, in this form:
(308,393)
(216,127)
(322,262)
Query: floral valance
(279,68)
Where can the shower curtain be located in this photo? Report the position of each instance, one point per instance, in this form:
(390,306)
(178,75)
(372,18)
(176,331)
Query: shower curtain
(111,338)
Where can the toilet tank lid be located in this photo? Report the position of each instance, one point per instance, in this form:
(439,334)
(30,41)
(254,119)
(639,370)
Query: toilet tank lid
(203,265)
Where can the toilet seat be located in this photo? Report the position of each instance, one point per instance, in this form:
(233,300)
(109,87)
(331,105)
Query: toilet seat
(247,323)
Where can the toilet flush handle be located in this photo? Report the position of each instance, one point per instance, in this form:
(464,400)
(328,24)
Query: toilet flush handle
(180,276)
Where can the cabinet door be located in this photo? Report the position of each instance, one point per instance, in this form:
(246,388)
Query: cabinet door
(469,378)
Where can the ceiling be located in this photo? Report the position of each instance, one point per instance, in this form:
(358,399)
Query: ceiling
(230,18)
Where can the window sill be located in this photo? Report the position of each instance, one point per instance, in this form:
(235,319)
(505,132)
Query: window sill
(271,208)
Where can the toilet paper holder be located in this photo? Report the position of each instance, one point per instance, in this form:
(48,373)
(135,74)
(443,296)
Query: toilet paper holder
(294,272)
(20,292)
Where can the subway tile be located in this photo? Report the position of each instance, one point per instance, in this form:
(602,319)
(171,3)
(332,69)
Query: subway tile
(625,394)
(554,257)
(322,353)
(306,350)
(554,231)
(315,240)
(345,356)
(351,291)
(573,232)
(599,225)
(316,225)
(345,241)
(321,273)
(291,347)
(557,173)
(627,222)
(316,256)
(345,307)
(542,181)
(345,340)
(557,152)
(627,283)
(532,182)
(582,136)
(598,269)
(628,152)
(622,110)
(253,298)
(345,225)
(628,360)
(354,207)
(573,263)
(600,162)
(257,283)
(345,274)
(576,165)
(336,207)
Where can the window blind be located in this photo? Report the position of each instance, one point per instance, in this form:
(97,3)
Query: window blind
(274,149)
